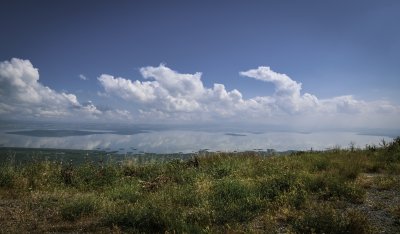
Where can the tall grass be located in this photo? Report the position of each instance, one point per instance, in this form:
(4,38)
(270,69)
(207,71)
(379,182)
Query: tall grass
(306,192)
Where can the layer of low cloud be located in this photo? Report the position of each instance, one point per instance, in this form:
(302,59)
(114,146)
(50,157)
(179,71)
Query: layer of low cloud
(165,95)
(22,96)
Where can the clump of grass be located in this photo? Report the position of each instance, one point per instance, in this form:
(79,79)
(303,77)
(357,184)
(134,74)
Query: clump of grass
(324,218)
(233,200)
(321,165)
(149,216)
(185,195)
(75,208)
(128,191)
(90,175)
(7,176)
(271,187)
(386,182)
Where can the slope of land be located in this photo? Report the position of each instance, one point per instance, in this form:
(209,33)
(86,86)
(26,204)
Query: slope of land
(335,191)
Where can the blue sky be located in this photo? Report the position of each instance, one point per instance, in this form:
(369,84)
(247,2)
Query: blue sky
(333,48)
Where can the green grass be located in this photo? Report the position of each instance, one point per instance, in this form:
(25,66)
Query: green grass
(78,206)
(324,218)
(305,192)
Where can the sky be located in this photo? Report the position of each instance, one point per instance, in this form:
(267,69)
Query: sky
(306,64)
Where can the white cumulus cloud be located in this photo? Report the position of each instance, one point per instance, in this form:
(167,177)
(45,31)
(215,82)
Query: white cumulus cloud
(128,90)
(22,96)
(287,96)
(169,95)
(165,95)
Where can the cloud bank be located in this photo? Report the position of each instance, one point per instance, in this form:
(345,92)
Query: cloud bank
(165,95)
(169,95)
(22,96)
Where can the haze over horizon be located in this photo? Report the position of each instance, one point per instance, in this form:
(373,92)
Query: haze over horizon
(303,65)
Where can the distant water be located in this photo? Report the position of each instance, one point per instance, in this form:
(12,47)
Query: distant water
(159,139)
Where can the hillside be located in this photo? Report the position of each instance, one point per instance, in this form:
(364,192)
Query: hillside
(334,191)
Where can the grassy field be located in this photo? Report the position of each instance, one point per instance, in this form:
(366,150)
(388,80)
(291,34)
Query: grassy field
(336,191)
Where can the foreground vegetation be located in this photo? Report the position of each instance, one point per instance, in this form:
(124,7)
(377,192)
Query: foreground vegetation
(335,191)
